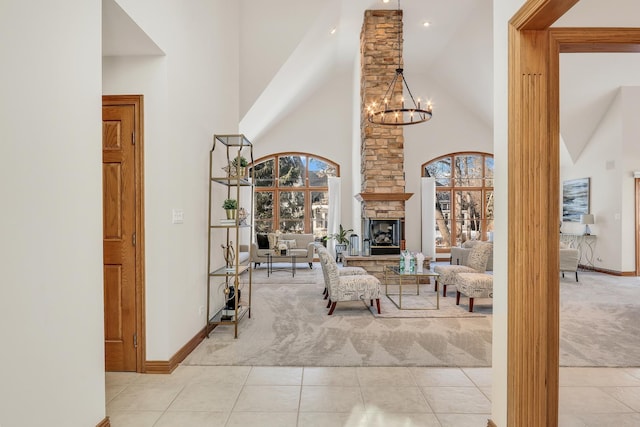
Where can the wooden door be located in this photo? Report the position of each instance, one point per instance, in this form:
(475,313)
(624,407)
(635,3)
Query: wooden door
(119,237)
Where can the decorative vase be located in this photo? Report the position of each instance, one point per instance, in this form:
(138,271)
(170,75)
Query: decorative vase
(231,213)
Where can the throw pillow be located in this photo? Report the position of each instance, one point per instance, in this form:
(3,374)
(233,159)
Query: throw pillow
(262,240)
(291,244)
(272,240)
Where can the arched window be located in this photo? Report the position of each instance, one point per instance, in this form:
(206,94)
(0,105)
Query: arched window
(291,192)
(464,197)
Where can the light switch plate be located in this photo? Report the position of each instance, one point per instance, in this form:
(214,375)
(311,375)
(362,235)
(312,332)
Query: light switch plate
(177,216)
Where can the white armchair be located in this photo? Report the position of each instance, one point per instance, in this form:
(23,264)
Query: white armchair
(342,271)
(476,263)
(355,287)
(569,259)
(459,254)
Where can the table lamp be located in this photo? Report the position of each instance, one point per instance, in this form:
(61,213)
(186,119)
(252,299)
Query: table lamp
(587,219)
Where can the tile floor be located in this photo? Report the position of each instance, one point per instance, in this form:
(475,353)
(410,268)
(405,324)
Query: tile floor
(244,396)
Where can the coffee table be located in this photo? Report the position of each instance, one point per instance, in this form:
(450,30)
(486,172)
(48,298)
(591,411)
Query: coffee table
(271,255)
(409,279)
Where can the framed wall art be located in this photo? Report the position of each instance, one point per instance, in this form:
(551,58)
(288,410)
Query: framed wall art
(575,199)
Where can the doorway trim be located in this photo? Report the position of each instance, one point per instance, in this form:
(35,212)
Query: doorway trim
(533,211)
(137,101)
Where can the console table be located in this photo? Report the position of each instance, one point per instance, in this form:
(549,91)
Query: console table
(585,243)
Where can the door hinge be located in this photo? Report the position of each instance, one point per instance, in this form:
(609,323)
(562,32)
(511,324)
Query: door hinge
(135,340)
(133,239)
(133,138)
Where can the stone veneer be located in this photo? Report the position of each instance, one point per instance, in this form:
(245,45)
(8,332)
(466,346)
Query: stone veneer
(382,147)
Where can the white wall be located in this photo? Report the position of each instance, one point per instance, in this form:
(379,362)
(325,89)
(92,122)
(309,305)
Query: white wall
(190,94)
(630,163)
(51,328)
(609,159)
(503,10)
(321,126)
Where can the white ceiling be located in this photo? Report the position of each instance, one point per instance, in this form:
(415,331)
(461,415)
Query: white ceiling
(287,51)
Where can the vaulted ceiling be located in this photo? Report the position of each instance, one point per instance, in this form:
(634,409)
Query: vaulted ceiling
(287,51)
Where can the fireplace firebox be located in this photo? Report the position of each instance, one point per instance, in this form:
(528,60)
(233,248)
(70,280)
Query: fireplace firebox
(384,235)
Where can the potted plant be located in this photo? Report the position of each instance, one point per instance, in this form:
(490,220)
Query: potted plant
(239,164)
(230,206)
(342,240)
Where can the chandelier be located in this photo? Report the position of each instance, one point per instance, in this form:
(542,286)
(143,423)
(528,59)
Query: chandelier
(388,111)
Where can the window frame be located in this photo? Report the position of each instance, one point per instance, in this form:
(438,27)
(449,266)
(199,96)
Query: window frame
(306,189)
(454,187)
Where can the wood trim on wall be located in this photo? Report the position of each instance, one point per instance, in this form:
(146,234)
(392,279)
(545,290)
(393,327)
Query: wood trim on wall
(533,281)
(533,301)
(168,366)
(104,423)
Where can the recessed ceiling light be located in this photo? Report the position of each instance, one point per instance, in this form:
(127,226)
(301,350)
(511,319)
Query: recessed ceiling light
(333,31)
(386,1)
(426,23)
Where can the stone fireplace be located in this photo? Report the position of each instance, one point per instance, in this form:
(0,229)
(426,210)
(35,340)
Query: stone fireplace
(382,193)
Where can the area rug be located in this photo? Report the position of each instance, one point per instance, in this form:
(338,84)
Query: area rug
(412,302)
(425,304)
(289,326)
(599,326)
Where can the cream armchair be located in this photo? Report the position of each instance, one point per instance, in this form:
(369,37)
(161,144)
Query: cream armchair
(569,259)
(476,263)
(352,287)
(460,254)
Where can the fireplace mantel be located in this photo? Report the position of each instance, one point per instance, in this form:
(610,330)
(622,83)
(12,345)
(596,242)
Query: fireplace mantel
(383,197)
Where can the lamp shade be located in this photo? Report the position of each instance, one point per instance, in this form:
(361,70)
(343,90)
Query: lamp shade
(587,219)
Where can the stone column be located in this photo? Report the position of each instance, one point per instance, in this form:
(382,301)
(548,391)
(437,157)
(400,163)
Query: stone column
(382,147)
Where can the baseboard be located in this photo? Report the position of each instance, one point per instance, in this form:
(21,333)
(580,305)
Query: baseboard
(490,423)
(104,423)
(168,366)
(606,271)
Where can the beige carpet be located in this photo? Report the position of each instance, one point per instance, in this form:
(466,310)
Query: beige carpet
(599,320)
(599,326)
(290,327)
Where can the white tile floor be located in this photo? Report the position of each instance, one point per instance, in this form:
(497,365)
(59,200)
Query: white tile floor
(244,396)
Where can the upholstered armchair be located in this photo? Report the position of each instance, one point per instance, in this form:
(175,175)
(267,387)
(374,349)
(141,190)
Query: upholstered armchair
(476,263)
(343,271)
(569,259)
(459,254)
(473,285)
(355,287)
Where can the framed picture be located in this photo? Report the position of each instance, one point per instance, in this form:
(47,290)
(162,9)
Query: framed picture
(575,199)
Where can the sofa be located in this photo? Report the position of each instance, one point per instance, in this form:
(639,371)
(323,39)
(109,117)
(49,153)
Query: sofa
(300,245)
(459,254)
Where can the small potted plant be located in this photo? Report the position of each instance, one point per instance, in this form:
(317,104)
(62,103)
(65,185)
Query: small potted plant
(230,206)
(239,164)
(342,240)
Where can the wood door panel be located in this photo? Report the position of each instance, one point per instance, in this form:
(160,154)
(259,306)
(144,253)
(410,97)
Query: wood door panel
(111,203)
(119,226)
(113,331)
